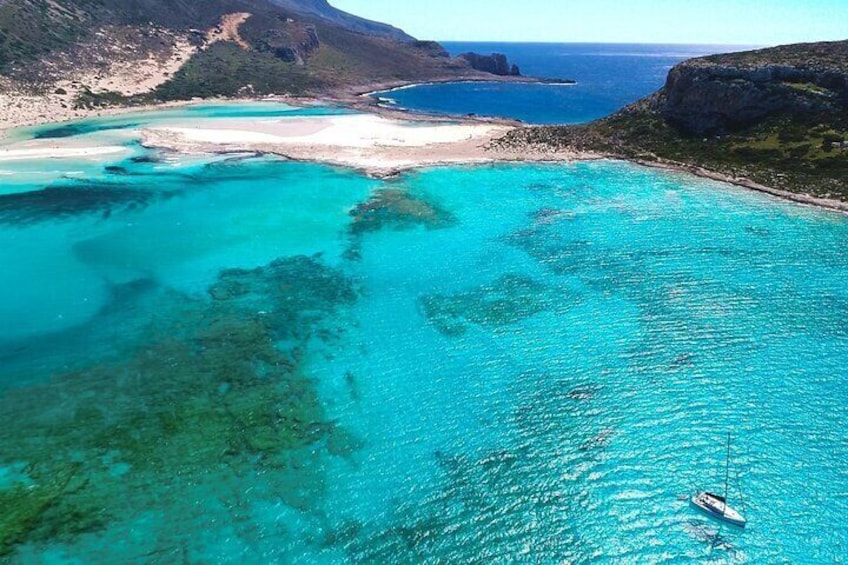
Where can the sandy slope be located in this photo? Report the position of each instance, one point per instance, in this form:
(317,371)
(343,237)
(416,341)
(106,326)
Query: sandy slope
(117,71)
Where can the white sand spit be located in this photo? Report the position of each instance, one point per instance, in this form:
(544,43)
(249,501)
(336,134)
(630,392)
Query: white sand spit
(59,153)
(357,130)
(370,142)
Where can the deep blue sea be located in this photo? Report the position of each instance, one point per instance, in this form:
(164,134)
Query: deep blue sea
(609,76)
(240,359)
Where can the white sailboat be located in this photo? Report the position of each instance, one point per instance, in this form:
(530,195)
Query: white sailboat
(715,505)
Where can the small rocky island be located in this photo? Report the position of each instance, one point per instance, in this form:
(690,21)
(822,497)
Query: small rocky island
(496,64)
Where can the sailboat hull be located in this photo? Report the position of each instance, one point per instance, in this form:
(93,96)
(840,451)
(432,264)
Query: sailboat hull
(716,507)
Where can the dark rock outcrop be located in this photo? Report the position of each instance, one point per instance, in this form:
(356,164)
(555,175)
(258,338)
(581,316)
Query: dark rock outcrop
(293,43)
(726,93)
(496,64)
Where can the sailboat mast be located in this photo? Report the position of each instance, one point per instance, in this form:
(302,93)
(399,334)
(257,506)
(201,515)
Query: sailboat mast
(727,472)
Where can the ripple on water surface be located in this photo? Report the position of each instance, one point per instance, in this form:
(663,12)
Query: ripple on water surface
(289,363)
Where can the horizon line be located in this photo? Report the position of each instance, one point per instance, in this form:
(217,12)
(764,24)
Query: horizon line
(693,44)
(707,44)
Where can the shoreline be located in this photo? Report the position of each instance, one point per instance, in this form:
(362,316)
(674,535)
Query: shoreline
(40,110)
(359,99)
(377,145)
(830,204)
(517,80)
(88,114)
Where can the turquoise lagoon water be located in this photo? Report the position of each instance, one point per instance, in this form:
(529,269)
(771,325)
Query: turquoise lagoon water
(246,360)
(203,111)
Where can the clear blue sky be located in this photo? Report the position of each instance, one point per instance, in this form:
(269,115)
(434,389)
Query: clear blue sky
(738,22)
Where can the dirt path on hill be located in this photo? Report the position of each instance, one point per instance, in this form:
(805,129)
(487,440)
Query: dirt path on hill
(228,30)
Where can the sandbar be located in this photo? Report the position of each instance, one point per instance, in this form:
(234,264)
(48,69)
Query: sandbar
(375,144)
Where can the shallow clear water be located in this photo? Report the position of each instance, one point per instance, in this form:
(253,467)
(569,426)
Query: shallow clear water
(609,76)
(257,361)
(176,114)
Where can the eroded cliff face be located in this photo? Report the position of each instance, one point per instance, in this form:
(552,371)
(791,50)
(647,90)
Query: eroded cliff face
(722,94)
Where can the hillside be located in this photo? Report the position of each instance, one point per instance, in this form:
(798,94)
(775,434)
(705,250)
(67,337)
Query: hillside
(323,10)
(777,117)
(59,60)
(32,29)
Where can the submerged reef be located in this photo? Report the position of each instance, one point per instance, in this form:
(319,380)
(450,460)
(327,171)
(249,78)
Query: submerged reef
(398,209)
(214,401)
(507,301)
(487,506)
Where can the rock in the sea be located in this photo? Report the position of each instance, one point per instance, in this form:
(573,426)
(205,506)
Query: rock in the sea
(496,64)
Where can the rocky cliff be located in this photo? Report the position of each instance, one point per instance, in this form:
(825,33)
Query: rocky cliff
(727,93)
(495,64)
(777,117)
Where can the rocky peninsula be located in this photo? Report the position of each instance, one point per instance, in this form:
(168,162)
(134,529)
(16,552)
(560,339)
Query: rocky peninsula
(772,119)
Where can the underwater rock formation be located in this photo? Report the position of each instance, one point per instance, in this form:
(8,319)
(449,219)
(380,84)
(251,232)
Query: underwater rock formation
(486,505)
(398,209)
(212,397)
(507,301)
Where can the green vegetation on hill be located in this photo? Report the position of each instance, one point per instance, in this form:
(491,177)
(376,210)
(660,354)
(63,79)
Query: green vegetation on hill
(342,56)
(321,9)
(29,29)
(290,47)
(832,55)
(790,153)
(224,69)
(745,115)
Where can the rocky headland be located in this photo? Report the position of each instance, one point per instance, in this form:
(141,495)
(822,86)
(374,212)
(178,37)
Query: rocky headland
(771,119)
(496,64)
(728,93)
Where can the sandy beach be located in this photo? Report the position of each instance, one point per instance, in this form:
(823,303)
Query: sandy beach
(20,107)
(376,141)
(375,144)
